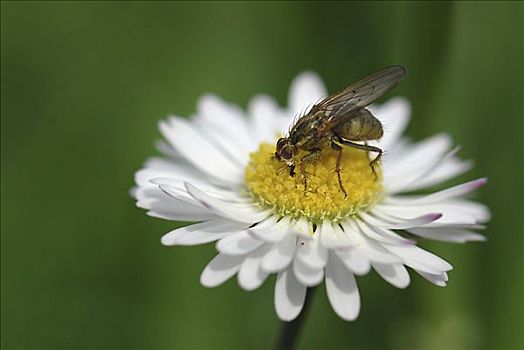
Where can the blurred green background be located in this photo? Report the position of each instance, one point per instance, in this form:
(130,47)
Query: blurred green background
(83,86)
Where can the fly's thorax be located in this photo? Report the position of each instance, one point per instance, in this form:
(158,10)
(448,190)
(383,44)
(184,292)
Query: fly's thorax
(362,127)
(312,131)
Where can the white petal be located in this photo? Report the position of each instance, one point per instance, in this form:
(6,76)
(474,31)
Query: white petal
(306,89)
(220,269)
(160,167)
(238,244)
(289,296)
(243,213)
(342,289)
(354,261)
(251,276)
(396,274)
(223,117)
(414,163)
(368,248)
(384,218)
(280,255)
(264,113)
(307,275)
(452,211)
(447,168)
(303,228)
(447,234)
(453,192)
(420,259)
(333,237)
(163,206)
(177,189)
(380,234)
(227,143)
(271,229)
(203,232)
(437,279)
(394,116)
(311,253)
(189,141)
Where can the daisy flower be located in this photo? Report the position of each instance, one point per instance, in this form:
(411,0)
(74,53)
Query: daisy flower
(218,170)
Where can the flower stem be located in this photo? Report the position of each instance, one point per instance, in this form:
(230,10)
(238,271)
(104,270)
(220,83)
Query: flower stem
(290,331)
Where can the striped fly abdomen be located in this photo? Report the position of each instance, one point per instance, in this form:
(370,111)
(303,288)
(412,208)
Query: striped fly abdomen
(362,127)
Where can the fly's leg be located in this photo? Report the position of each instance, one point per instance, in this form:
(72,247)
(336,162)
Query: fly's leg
(338,149)
(292,170)
(368,148)
(314,154)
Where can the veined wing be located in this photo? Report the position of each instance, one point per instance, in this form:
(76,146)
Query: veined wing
(359,94)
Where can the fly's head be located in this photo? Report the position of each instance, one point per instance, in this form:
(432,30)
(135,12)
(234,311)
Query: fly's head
(285,151)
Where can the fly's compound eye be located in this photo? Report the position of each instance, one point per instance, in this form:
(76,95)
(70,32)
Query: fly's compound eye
(287,152)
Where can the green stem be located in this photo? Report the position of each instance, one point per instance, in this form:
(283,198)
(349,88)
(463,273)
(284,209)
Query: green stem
(290,331)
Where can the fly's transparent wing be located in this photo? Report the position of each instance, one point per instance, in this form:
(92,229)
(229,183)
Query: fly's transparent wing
(359,94)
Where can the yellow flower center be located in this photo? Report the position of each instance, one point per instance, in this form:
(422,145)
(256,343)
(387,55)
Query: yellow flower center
(271,186)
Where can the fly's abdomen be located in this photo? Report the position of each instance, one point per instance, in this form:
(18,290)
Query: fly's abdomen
(362,127)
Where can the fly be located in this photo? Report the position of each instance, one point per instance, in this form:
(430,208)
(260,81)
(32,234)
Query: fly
(339,120)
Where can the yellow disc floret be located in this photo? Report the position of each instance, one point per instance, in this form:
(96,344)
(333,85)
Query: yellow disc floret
(271,186)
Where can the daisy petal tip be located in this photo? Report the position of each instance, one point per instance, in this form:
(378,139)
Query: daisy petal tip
(429,218)
(350,316)
(435,216)
(167,240)
(205,283)
(480,182)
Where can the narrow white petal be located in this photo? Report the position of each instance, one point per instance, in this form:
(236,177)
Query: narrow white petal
(333,237)
(238,244)
(161,167)
(303,228)
(368,248)
(446,169)
(396,274)
(220,269)
(354,261)
(342,289)
(414,163)
(381,234)
(453,192)
(385,219)
(306,89)
(394,116)
(264,113)
(420,259)
(203,232)
(271,229)
(189,141)
(222,117)
(233,211)
(163,206)
(437,279)
(447,234)
(280,255)
(251,276)
(289,296)
(307,275)
(452,211)
(311,253)
(177,189)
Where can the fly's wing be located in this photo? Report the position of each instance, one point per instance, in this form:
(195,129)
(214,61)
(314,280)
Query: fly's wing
(338,107)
